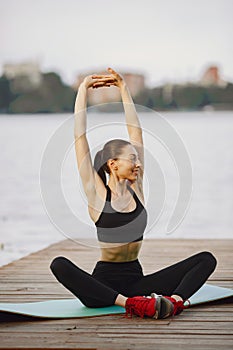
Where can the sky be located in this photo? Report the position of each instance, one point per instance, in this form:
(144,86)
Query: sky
(166,40)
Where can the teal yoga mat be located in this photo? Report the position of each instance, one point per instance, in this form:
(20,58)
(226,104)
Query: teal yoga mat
(73,308)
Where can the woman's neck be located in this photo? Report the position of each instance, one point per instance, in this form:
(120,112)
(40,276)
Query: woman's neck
(119,188)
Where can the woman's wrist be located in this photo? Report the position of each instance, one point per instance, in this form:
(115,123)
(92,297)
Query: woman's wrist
(83,85)
(122,85)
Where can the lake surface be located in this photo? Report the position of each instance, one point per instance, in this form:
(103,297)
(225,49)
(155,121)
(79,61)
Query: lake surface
(24,224)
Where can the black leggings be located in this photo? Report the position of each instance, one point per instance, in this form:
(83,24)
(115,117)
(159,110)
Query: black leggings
(109,279)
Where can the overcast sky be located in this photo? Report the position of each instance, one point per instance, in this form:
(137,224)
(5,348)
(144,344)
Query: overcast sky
(164,39)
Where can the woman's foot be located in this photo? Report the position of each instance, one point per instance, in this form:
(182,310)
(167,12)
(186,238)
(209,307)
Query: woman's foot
(169,306)
(143,306)
(155,306)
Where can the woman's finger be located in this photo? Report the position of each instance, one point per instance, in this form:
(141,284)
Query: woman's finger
(101,76)
(98,85)
(112,70)
(117,76)
(106,80)
(97,76)
(103,84)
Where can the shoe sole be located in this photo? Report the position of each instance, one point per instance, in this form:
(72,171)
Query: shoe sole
(164,307)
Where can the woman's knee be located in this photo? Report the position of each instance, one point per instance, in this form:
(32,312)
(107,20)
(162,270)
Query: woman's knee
(58,264)
(209,259)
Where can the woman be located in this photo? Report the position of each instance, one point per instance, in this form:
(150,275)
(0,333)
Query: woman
(118,211)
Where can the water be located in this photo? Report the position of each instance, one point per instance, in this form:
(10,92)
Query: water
(24,224)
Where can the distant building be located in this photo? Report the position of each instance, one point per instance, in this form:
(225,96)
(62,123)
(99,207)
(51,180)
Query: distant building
(212,77)
(167,93)
(24,76)
(135,83)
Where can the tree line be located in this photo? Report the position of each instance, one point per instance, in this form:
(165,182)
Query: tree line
(53,96)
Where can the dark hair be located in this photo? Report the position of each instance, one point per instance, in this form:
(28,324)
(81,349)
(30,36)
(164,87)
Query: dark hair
(111,150)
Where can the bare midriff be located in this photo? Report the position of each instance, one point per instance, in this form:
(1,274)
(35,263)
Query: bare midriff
(120,252)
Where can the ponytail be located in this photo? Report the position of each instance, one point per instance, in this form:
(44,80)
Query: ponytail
(99,166)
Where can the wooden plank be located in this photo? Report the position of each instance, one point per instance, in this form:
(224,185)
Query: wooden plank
(206,326)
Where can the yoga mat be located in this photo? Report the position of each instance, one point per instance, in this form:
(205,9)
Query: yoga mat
(73,308)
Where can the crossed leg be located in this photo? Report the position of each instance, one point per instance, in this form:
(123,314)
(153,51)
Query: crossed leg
(182,279)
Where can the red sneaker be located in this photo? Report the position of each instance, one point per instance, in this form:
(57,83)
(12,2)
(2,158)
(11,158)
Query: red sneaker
(143,306)
(169,306)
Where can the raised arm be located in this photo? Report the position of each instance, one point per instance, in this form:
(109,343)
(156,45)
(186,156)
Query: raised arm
(132,120)
(89,176)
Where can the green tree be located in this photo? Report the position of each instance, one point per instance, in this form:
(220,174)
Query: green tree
(51,96)
(6,95)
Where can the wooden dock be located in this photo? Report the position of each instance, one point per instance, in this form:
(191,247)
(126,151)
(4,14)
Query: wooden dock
(206,326)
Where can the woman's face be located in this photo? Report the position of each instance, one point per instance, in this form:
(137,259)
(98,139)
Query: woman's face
(127,164)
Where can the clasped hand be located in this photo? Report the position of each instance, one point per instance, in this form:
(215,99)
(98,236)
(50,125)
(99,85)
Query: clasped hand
(95,81)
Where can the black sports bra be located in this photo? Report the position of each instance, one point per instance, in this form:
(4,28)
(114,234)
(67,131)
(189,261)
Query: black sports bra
(121,227)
